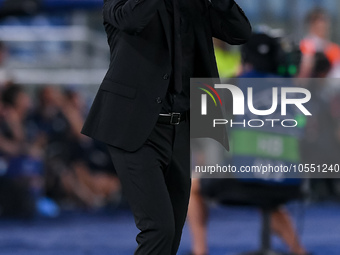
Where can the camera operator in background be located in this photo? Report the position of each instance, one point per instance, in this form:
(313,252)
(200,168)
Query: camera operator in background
(262,57)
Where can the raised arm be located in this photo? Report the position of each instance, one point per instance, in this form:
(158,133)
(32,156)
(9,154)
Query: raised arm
(228,22)
(130,15)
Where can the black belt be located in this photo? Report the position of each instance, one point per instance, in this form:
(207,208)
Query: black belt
(173,118)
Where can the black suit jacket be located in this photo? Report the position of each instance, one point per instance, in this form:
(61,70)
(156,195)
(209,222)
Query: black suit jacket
(129,100)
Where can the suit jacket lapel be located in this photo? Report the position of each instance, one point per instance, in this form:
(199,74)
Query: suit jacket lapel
(166,25)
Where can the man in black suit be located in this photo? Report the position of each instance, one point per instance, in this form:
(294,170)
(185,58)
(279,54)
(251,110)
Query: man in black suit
(141,108)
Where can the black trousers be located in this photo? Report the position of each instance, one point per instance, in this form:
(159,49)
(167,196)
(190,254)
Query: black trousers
(156,182)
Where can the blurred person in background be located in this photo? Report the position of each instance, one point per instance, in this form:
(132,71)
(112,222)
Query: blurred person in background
(22,157)
(49,120)
(78,170)
(261,57)
(91,163)
(321,59)
(321,144)
(317,40)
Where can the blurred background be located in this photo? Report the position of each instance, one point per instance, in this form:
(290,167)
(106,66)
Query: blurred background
(58,190)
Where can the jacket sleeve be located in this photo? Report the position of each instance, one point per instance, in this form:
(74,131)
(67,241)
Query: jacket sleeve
(129,15)
(228,22)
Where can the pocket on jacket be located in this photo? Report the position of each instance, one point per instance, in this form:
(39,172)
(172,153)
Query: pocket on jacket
(118,89)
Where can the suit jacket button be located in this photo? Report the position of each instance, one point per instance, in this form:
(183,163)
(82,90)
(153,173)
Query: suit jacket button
(166,76)
(159,100)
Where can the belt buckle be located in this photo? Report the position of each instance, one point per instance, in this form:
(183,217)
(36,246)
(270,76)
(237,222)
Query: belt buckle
(175,118)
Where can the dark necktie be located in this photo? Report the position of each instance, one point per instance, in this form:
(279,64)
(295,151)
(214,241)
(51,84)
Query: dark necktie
(177,49)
